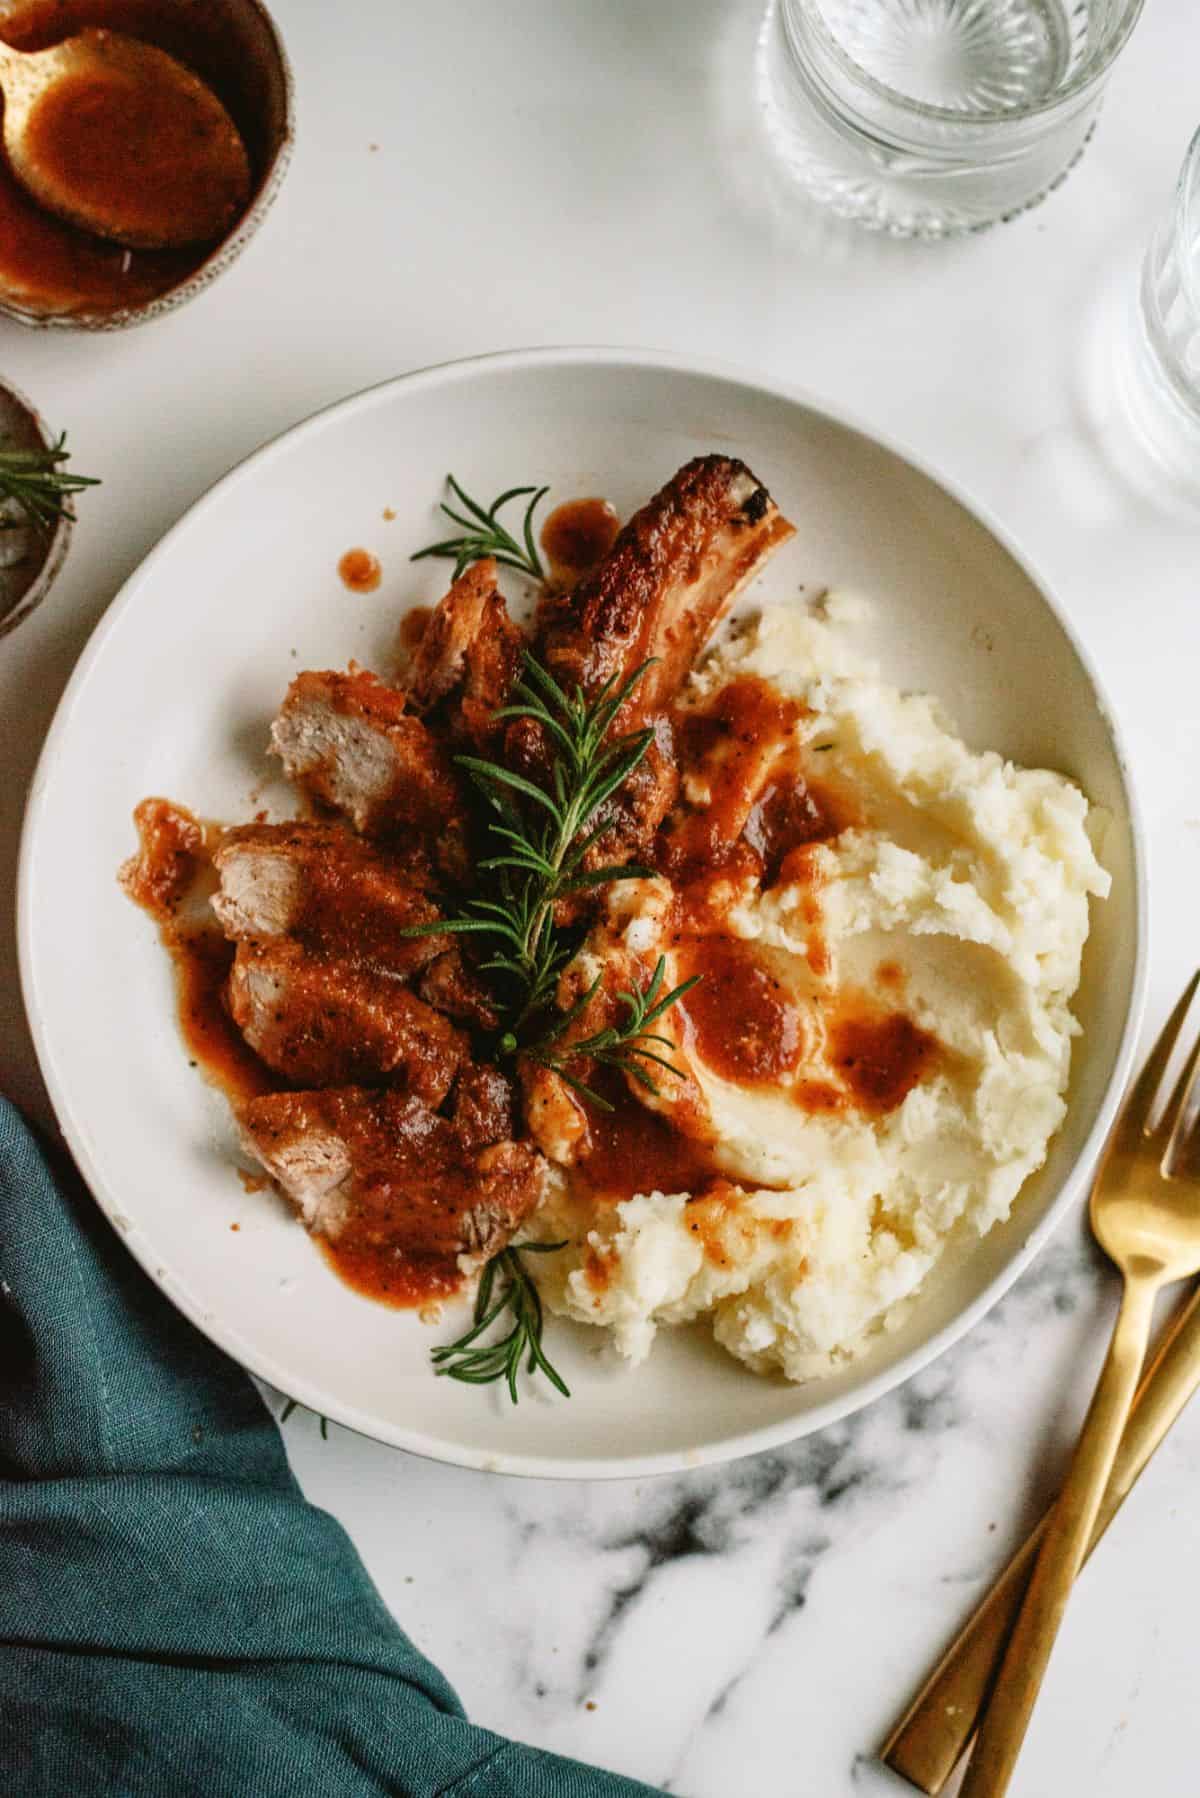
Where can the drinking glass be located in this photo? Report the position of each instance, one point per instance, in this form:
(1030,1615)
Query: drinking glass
(1155,352)
(927,118)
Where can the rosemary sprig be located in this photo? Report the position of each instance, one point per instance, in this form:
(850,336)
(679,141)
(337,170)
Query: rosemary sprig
(484,535)
(504,1285)
(625,1045)
(542,836)
(541,851)
(37,481)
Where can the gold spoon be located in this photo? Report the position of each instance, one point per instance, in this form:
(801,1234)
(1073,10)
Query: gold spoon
(1145,1213)
(115,136)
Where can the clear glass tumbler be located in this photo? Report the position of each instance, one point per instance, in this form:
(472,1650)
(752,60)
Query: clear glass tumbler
(927,118)
(1153,354)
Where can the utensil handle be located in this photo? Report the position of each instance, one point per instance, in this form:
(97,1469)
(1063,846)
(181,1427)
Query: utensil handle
(1060,1555)
(928,1742)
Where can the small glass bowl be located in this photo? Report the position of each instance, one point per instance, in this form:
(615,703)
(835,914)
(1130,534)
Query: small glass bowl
(929,118)
(29,559)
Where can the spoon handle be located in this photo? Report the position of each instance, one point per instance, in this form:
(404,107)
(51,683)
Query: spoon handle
(929,1740)
(1068,1532)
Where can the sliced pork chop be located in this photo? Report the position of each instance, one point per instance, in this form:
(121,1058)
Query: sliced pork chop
(324,1022)
(330,890)
(348,741)
(666,583)
(484,1108)
(453,987)
(380,1170)
(468,658)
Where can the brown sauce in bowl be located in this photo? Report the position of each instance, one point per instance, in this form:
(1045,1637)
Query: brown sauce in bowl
(49,266)
(148,159)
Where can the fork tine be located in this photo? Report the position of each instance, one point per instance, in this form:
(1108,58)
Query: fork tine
(1134,1126)
(1179,1106)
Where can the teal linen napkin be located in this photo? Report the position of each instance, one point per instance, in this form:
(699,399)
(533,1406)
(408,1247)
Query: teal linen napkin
(175,1619)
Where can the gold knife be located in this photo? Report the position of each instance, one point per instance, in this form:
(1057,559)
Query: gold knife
(934,1732)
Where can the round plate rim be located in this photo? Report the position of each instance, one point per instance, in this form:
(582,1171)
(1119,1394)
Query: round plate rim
(228,1337)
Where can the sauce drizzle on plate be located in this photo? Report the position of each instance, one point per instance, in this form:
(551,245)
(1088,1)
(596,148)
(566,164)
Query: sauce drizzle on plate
(360,571)
(742,1020)
(173,861)
(632,1149)
(576,535)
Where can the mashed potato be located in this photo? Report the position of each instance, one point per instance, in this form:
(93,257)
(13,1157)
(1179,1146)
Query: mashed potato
(959,891)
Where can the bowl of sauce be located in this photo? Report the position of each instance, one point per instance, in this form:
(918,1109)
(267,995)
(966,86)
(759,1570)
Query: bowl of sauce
(29,558)
(54,274)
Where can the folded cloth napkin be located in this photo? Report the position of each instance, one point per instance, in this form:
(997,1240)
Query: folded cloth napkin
(175,1619)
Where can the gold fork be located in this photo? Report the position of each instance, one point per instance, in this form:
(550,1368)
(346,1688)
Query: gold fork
(1145,1213)
(930,1738)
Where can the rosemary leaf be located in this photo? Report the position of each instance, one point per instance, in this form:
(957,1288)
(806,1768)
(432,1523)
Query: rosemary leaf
(38,482)
(478,1363)
(484,535)
(539,850)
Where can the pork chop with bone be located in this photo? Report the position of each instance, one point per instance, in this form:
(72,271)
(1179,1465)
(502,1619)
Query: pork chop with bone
(670,577)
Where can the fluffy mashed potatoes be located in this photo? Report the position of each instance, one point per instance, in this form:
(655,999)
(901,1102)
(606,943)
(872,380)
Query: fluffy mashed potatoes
(951,908)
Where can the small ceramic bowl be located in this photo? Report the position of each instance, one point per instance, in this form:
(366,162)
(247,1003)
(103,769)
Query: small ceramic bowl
(52,275)
(29,559)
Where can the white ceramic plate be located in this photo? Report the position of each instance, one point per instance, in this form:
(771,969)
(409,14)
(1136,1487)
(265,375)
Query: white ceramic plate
(173,697)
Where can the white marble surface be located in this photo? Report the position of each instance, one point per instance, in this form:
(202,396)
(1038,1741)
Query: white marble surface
(471,177)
